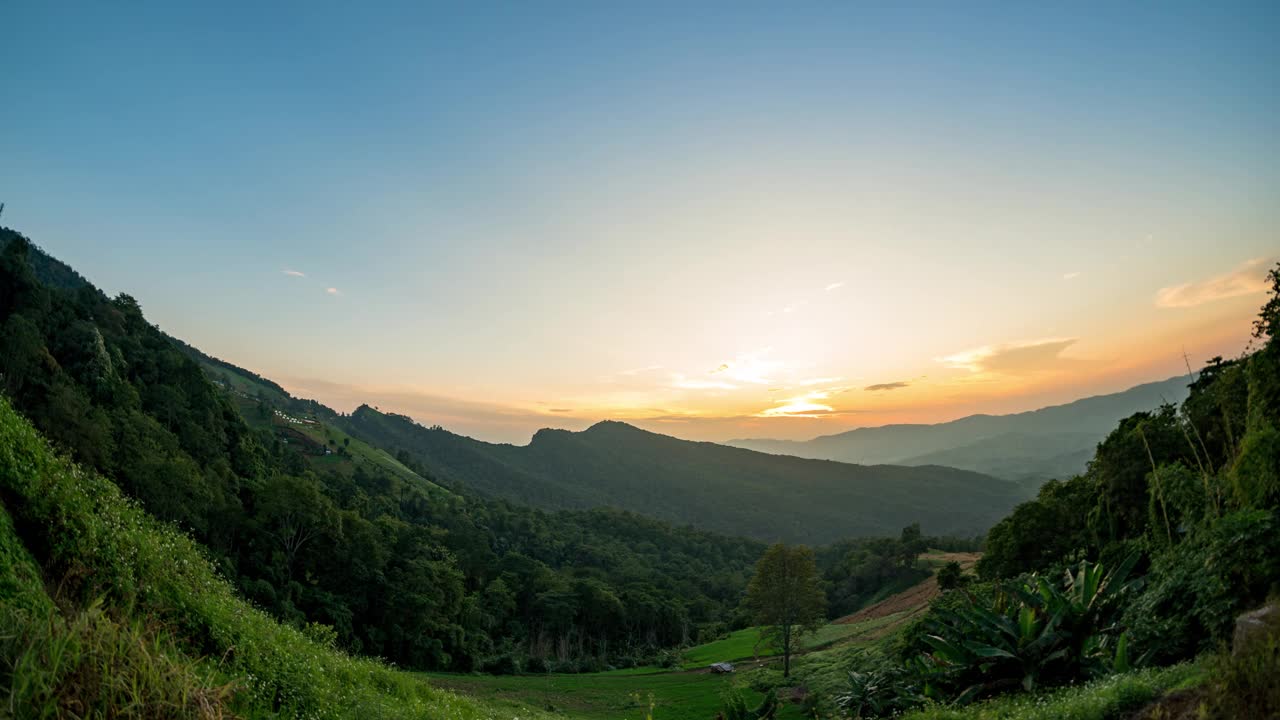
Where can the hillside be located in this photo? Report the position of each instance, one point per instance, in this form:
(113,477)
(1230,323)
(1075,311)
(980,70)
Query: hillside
(711,486)
(314,526)
(142,625)
(1052,442)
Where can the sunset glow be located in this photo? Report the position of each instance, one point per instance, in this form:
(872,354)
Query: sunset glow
(858,217)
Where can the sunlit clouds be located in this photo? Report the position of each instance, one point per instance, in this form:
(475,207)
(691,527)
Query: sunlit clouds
(1248,279)
(806,405)
(332,291)
(294,273)
(1018,358)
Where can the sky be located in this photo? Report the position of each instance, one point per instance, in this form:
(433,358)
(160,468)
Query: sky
(713,220)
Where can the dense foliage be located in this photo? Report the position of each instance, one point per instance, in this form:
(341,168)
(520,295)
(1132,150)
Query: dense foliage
(1189,495)
(859,571)
(395,566)
(723,489)
(105,612)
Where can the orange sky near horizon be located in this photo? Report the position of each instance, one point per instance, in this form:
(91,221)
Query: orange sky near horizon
(756,395)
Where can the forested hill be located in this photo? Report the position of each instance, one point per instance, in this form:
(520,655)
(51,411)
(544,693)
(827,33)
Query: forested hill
(1050,443)
(711,486)
(384,563)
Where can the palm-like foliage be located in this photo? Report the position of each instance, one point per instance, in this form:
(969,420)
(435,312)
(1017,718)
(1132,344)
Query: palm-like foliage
(1029,633)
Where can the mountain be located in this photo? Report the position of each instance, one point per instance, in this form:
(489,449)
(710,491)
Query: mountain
(309,524)
(1033,446)
(711,486)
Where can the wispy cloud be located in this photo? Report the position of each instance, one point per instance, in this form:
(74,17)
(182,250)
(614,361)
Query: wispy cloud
(887,386)
(1070,275)
(1247,279)
(834,286)
(1018,358)
(332,291)
(293,273)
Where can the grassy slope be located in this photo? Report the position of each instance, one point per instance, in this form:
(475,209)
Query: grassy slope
(1106,699)
(359,452)
(741,644)
(99,548)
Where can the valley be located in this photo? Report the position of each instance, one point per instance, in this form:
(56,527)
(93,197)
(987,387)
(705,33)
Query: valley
(593,574)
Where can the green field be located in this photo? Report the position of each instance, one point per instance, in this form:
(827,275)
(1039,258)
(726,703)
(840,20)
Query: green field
(686,694)
(741,645)
(607,696)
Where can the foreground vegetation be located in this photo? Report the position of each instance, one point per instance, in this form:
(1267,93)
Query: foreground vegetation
(1146,559)
(140,623)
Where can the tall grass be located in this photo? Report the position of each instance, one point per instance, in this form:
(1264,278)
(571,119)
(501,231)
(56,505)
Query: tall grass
(145,626)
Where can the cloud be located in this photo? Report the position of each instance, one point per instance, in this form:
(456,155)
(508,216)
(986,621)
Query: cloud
(806,405)
(559,410)
(834,286)
(887,386)
(1020,358)
(1247,279)
(294,273)
(332,291)
(1070,275)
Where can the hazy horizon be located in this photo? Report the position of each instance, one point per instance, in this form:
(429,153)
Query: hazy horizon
(731,221)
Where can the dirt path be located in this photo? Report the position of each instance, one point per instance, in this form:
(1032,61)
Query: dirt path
(915,598)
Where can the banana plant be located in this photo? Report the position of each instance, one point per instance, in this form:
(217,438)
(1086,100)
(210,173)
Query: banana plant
(1028,634)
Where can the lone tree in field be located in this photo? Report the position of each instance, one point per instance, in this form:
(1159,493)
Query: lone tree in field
(786,596)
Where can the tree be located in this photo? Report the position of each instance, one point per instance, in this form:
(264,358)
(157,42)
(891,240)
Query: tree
(913,543)
(786,595)
(950,576)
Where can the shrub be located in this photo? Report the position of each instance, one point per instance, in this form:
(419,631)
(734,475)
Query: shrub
(1104,699)
(1024,634)
(536,665)
(1195,590)
(1244,684)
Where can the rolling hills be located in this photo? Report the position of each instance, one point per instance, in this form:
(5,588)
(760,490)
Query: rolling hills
(711,486)
(1028,447)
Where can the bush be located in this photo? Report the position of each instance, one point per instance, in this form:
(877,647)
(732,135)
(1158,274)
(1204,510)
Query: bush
(1025,634)
(536,665)
(504,664)
(1196,589)
(1104,699)
(1244,683)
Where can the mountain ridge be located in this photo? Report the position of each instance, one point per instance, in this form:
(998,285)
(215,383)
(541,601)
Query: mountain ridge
(708,485)
(1066,429)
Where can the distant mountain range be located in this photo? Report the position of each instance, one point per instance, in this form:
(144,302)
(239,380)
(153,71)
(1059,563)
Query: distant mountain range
(711,486)
(1028,447)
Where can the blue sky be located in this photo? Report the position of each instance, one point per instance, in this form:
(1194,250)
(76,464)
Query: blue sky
(550,213)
